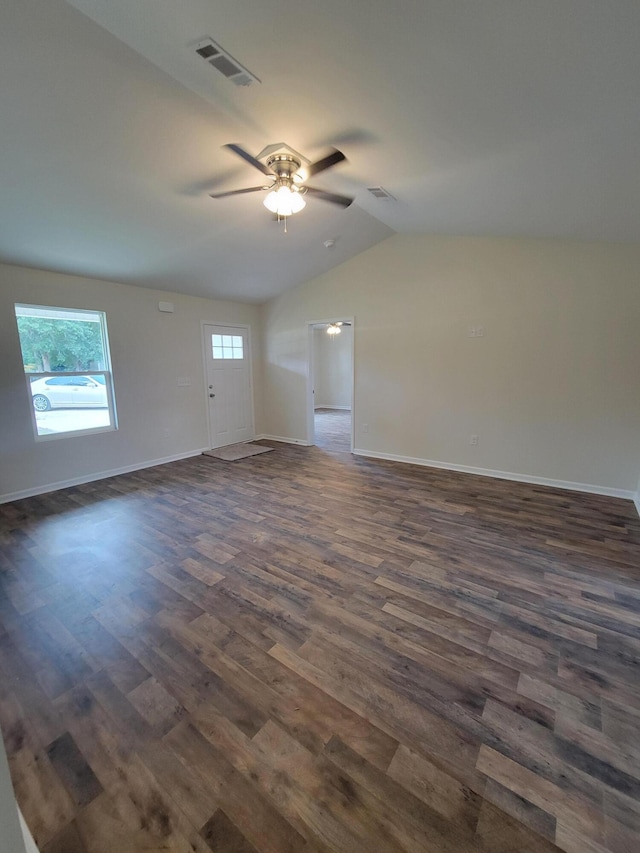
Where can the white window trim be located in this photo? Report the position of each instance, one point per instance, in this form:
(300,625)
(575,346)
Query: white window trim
(107,373)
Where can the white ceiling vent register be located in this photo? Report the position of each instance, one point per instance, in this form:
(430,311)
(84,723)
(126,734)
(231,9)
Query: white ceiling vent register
(218,58)
(380,192)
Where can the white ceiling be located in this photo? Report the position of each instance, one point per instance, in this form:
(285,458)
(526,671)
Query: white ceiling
(500,117)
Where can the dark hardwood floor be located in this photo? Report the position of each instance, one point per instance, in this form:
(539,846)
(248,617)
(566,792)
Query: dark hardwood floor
(333,429)
(307,651)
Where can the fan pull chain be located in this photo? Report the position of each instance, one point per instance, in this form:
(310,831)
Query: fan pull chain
(283,218)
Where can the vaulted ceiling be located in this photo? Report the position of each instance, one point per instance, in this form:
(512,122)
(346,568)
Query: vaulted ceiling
(485,118)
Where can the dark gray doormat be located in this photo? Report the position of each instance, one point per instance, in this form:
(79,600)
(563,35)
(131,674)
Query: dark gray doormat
(233,452)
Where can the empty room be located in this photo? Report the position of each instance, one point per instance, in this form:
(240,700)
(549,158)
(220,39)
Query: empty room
(319,426)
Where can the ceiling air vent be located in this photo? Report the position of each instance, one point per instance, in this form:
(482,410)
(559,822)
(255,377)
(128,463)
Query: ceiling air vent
(223,62)
(380,192)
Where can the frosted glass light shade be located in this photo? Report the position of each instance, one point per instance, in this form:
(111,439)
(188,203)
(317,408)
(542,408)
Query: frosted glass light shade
(284,202)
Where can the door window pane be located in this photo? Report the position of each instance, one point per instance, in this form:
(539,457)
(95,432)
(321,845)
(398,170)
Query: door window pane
(227,346)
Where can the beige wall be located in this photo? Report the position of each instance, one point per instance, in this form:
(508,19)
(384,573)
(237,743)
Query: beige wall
(332,368)
(551,389)
(149,351)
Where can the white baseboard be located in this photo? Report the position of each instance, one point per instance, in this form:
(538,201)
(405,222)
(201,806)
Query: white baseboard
(391,457)
(329,406)
(502,475)
(282,438)
(100,475)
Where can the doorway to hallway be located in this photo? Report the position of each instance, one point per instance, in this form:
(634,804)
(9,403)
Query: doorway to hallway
(330,389)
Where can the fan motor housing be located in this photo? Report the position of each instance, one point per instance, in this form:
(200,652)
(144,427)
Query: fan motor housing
(285,166)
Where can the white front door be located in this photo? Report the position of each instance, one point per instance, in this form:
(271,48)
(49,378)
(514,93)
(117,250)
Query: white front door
(228,384)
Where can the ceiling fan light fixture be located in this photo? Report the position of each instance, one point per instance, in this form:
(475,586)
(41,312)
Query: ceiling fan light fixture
(284,201)
(285,194)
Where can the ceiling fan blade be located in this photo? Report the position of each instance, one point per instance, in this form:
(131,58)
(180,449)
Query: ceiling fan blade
(326,162)
(238,192)
(334,198)
(248,157)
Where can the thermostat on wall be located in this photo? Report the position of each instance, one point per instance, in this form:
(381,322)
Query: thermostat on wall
(167,307)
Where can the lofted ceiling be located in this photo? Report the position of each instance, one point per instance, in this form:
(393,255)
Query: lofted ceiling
(495,118)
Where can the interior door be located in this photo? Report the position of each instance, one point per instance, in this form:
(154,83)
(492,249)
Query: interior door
(228,384)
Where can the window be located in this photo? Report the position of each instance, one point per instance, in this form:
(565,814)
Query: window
(65,353)
(227,346)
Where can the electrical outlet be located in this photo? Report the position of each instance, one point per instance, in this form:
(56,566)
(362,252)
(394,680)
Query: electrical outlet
(479,331)
(473,440)
(365,427)
(166,433)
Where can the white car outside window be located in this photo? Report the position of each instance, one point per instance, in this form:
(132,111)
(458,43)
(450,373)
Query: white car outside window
(69,392)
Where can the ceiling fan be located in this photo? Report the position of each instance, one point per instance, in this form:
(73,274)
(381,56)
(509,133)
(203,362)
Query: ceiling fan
(335,328)
(287,176)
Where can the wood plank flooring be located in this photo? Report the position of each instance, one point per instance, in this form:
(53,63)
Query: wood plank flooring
(333,429)
(308,651)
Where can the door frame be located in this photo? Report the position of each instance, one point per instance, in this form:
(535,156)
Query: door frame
(203,337)
(310,324)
